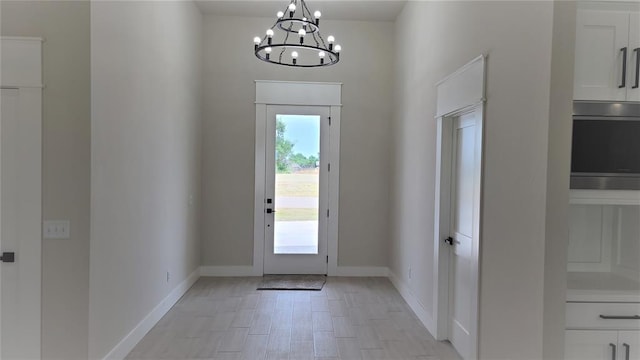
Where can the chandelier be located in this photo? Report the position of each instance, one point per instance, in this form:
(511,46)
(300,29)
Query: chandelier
(302,45)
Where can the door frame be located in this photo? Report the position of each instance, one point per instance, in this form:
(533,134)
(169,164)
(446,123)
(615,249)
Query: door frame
(459,93)
(301,94)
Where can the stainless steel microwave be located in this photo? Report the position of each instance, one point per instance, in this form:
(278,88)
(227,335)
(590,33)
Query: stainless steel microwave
(605,151)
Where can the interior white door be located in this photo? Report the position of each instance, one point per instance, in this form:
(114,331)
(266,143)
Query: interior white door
(296,189)
(20,223)
(464,235)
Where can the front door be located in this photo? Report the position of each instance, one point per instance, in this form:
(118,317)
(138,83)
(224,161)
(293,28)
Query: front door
(464,191)
(20,219)
(296,190)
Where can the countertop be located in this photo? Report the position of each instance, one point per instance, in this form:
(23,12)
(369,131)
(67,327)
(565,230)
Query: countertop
(601,287)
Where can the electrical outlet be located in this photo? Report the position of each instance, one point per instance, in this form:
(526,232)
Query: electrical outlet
(168,276)
(190,200)
(56,229)
(410,271)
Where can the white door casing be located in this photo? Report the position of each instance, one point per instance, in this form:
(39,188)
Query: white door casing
(21,196)
(292,263)
(300,94)
(460,98)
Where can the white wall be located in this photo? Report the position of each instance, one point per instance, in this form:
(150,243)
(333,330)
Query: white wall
(65,163)
(229,130)
(146,138)
(433,39)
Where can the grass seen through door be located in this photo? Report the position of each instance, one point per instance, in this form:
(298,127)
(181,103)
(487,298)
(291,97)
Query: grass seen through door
(299,184)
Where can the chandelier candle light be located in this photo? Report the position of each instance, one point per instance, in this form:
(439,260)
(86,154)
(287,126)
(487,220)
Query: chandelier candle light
(302,44)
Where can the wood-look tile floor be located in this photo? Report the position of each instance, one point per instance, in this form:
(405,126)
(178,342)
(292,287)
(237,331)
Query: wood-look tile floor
(351,318)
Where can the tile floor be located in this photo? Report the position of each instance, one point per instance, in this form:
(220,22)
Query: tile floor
(351,318)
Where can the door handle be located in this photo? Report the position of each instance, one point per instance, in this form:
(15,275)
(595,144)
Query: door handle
(270,211)
(637,51)
(8,257)
(624,67)
(627,351)
(618,317)
(449,240)
(613,351)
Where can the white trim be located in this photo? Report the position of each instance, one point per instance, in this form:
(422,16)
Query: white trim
(231,271)
(127,344)
(334,191)
(21,64)
(362,271)
(413,302)
(298,93)
(259,186)
(25,38)
(463,88)
(296,82)
(22,86)
(458,93)
(282,93)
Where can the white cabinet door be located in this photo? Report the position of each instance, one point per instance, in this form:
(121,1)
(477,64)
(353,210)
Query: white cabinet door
(600,38)
(591,345)
(629,345)
(633,69)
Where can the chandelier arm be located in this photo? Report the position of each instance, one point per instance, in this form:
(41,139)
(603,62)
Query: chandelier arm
(316,39)
(322,40)
(285,42)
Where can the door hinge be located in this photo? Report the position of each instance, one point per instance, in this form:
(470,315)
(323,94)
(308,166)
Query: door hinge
(329,167)
(327,212)
(327,259)
(329,120)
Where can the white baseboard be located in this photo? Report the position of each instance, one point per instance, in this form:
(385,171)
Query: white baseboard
(361,271)
(414,303)
(127,344)
(356,271)
(227,271)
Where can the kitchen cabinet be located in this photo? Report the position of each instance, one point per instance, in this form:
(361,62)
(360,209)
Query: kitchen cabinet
(607,55)
(602,331)
(602,345)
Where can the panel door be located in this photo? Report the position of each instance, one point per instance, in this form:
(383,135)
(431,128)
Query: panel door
(601,37)
(629,345)
(591,345)
(20,219)
(462,216)
(633,70)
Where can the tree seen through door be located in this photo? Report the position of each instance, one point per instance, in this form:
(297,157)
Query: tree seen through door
(297,159)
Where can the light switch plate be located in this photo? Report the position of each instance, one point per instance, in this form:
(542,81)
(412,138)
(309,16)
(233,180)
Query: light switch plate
(56,229)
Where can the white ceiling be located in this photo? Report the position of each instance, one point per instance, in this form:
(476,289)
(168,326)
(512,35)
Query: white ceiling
(370,10)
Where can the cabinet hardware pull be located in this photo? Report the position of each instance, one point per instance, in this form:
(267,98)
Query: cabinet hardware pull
(613,351)
(617,317)
(624,67)
(627,351)
(637,51)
